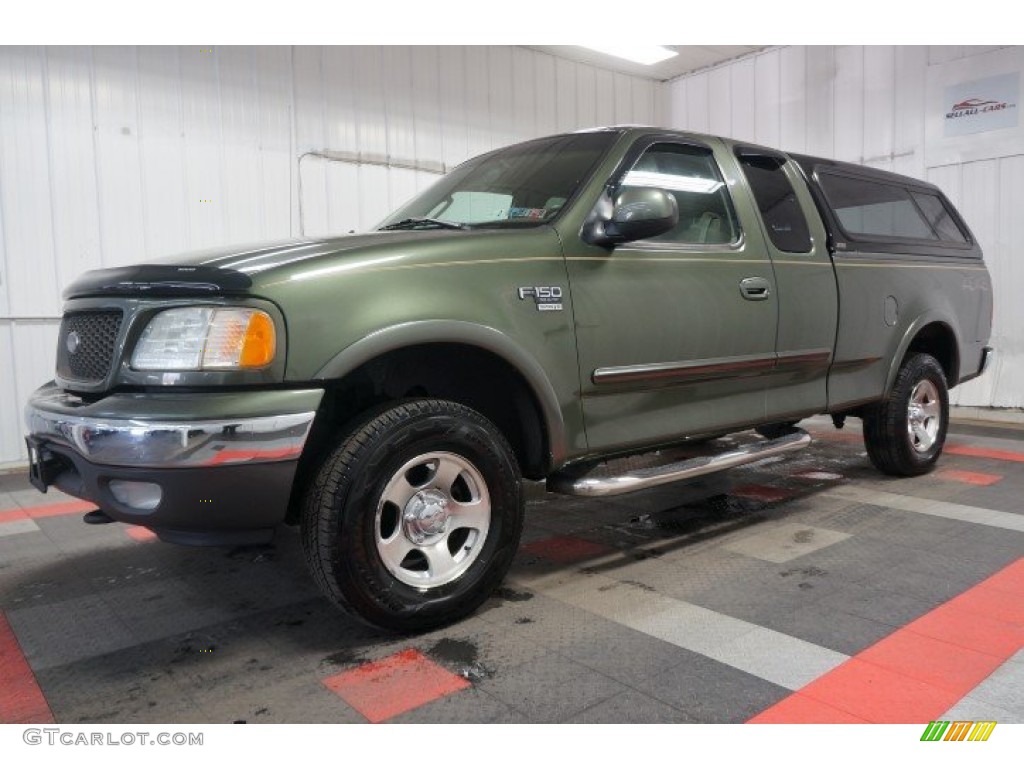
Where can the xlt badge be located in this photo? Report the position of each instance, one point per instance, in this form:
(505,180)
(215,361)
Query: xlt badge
(548,298)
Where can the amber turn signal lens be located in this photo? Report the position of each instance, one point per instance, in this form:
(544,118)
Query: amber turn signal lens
(260,342)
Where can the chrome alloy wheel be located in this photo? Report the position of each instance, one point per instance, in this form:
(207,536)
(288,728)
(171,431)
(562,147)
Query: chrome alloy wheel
(432,519)
(924,416)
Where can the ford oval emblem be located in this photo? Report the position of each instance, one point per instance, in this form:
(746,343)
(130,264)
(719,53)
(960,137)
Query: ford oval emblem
(73,342)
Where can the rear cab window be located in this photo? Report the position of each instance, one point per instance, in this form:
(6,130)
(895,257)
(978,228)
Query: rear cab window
(938,216)
(880,210)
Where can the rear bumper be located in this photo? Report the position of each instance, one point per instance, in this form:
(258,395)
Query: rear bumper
(223,478)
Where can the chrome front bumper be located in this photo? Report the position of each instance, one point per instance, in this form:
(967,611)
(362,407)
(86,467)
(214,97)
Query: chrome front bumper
(139,441)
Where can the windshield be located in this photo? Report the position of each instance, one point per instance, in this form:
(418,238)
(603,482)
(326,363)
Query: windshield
(524,185)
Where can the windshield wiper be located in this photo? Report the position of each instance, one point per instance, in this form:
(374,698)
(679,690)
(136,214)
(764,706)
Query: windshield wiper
(424,220)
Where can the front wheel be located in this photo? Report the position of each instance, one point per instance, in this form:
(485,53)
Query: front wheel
(904,433)
(415,517)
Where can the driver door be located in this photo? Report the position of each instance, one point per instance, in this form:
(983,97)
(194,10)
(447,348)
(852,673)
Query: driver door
(676,334)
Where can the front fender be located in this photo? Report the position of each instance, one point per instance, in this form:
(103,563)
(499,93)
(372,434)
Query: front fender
(458,332)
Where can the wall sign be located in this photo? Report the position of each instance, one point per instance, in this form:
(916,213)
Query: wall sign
(982,105)
(972,108)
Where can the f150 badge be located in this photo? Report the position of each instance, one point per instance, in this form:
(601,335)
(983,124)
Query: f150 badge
(548,298)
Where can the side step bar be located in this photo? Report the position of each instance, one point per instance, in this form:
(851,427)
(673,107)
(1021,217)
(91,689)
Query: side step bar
(638,480)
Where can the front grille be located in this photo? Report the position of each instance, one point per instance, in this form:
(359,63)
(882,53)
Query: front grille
(87,356)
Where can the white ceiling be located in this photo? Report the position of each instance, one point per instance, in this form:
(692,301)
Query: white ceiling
(690,58)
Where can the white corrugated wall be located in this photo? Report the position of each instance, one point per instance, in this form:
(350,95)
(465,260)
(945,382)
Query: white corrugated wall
(114,155)
(111,155)
(866,104)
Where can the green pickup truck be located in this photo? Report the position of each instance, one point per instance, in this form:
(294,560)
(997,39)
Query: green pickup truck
(539,311)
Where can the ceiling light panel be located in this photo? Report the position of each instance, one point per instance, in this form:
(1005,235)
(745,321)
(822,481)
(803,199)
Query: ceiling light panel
(640,54)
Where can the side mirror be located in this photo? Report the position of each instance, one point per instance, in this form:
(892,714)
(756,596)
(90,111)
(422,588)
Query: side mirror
(638,213)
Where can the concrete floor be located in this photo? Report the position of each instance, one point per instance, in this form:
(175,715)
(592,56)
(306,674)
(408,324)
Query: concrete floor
(802,589)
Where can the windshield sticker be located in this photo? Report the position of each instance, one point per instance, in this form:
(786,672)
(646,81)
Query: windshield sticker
(527,213)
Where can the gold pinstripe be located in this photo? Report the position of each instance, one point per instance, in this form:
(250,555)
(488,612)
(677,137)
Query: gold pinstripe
(962,268)
(726,260)
(665,259)
(670,259)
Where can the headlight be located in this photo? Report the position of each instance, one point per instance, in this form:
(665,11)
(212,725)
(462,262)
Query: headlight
(200,338)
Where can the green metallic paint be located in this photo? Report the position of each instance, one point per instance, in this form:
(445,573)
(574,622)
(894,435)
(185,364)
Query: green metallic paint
(346,300)
(353,305)
(702,317)
(808,301)
(925,293)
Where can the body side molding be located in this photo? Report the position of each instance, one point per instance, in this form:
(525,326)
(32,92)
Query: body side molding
(715,368)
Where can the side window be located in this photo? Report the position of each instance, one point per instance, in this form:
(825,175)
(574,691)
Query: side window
(874,208)
(776,200)
(938,216)
(689,174)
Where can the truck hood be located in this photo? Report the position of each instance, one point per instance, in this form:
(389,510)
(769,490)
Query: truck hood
(230,270)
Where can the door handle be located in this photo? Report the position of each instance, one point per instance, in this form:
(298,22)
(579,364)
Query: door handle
(755,288)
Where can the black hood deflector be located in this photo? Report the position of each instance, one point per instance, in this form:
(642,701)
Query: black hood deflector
(159,280)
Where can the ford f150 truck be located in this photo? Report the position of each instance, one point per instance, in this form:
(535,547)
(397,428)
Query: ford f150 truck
(539,310)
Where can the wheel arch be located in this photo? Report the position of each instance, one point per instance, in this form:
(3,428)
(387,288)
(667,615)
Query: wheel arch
(933,335)
(489,345)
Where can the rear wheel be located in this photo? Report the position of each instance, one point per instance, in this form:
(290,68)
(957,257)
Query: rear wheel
(415,517)
(905,433)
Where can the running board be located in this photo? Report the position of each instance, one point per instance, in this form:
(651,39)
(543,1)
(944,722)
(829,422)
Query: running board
(640,479)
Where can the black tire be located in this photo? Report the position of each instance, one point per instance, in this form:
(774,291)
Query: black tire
(344,515)
(771,431)
(893,447)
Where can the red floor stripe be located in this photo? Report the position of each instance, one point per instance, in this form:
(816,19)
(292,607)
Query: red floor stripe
(921,670)
(21,700)
(954,449)
(970,478)
(139,533)
(382,689)
(565,549)
(46,510)
(983,453)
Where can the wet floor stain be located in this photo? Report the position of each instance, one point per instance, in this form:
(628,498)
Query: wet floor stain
(803,537)
(258,553)
(631,582)
(189,650)
(345,657)
(639,585)
(819,475)
(512,595)
(809,570)
(454,651)
(462,655)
